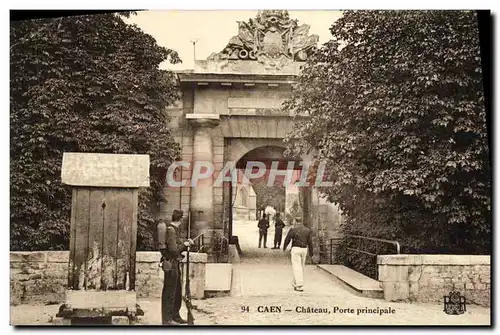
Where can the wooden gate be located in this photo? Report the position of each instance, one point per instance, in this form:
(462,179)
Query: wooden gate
(103,239)
(101,271)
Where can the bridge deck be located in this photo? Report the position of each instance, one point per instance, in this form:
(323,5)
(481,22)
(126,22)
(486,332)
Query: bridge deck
(354,279)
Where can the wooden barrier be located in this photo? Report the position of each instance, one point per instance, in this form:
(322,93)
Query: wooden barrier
(101,271)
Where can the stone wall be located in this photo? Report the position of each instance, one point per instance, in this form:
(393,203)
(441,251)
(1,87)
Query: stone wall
(427,278)
(42,276)
(38,276)
(149,276)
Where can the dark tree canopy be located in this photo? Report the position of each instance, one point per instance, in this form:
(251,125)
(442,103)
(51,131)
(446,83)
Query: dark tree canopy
(83,84)
(397,109)
(273,196)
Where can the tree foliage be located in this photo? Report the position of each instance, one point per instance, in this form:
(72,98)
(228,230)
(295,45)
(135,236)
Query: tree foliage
(396,108)
(83,84)
(273,196)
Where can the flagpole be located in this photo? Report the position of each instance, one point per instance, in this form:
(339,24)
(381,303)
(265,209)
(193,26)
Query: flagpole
(194,51)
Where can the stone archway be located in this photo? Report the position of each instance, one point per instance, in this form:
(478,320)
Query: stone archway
(230,106)
(269,153)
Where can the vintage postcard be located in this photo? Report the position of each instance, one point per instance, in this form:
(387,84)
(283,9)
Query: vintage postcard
(255,168)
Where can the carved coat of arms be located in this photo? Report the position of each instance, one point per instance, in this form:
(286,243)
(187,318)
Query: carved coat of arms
(272,38)
(272,43)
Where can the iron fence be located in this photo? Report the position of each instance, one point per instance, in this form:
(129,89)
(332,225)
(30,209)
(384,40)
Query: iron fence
(199,243)
(357,244)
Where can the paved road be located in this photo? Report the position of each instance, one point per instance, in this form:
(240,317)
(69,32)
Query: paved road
(262,288)
(262,284)
(265,272)
(228,311)
(248,236)
(263,280)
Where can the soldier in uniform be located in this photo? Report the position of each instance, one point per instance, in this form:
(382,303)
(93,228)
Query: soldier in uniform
(171,247)
(278,231)
(263,225)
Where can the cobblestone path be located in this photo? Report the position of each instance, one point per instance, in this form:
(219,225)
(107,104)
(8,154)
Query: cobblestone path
(263,280)
(262,295)
(262,287)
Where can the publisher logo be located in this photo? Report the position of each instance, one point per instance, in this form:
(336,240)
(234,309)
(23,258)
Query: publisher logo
(454,303)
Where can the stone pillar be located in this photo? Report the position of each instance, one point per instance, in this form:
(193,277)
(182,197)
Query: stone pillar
(291,196)
(197,265)
(305,202)
(201,206)
(315,215)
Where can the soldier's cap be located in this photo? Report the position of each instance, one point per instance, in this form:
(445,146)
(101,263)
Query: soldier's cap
(298,219)
(178,212)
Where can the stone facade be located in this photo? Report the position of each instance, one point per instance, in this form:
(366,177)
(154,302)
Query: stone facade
(427,278)
(245,203)
(42,276)
(231,104)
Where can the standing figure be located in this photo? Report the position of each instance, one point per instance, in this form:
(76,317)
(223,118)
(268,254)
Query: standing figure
(263,226)
(171,248)
(301,239)
(278,231)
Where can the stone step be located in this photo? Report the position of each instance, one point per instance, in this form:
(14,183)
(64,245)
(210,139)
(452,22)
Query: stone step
(218,278)
(357,282)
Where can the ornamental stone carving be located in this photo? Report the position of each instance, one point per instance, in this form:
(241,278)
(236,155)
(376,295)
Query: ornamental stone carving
(272,38)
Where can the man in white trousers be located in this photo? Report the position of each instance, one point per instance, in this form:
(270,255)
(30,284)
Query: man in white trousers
(301,239)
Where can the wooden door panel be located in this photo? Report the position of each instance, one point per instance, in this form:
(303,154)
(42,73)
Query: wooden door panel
(103,239)
(81,237)
(125,211)
(110,238)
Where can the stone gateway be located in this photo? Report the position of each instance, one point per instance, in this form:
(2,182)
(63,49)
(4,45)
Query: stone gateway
(230,111)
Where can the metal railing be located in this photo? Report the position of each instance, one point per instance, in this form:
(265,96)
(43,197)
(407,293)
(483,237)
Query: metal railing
(376,239)
(334,243)
(199,243)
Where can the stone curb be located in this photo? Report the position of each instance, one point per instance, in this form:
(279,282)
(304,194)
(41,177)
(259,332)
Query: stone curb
(433,260)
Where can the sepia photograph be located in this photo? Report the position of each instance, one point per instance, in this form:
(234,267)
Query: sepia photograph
(264,167)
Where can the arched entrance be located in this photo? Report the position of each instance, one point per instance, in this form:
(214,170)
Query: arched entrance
(229,107)
(271,174)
